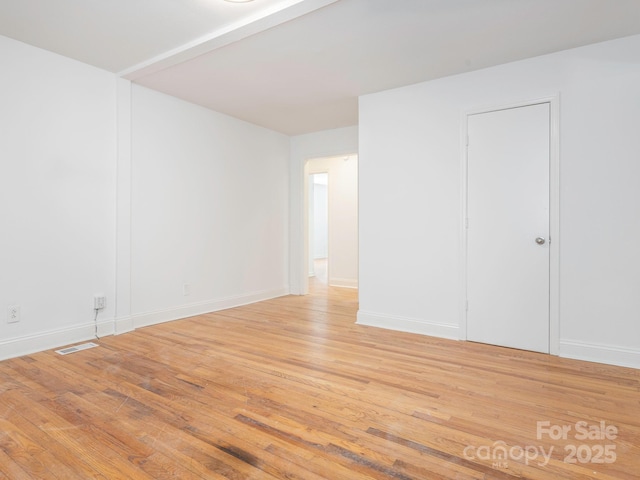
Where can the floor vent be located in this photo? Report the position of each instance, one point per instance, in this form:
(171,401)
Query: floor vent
(76,348)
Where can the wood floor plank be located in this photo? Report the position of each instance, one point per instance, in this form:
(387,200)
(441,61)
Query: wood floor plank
(292,388)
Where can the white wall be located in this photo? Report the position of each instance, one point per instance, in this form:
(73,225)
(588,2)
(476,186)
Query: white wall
(57,200)
(120,191)
(209,209)
(410,250)
(327,143)
(343,217)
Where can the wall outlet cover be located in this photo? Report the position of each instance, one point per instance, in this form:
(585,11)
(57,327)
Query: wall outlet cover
(13,314)
(99,302)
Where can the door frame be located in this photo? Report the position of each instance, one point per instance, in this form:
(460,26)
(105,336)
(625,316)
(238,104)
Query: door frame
(554,212)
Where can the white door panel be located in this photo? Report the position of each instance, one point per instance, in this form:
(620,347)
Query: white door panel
(507,210)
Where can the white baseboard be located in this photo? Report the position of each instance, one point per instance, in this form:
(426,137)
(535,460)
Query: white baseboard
(606,354)
(184,311)
(343,282)
(623,357)
(410,325)
(39,342)
(123,325)
(17,347)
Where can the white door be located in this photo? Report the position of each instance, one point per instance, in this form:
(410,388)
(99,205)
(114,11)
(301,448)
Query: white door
(508,227)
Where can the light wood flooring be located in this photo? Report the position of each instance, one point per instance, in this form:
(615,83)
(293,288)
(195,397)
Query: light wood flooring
(291,388)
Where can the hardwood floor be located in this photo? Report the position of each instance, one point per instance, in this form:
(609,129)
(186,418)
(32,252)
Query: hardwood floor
(292,389)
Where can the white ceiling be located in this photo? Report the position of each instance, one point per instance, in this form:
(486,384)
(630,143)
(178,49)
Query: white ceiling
(298,66)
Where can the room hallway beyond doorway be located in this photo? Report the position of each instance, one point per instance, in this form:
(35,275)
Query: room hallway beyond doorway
(320,270)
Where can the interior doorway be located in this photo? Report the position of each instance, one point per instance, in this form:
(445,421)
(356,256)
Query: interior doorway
(331,221)
(319,226)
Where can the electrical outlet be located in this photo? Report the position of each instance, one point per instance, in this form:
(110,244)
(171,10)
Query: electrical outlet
(13,314)
(186,289)
(99,302)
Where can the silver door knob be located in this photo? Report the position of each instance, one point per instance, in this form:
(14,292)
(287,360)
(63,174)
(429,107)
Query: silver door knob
(540,241)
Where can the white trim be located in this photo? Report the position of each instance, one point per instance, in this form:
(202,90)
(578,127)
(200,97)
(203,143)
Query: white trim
(260,21)
(516,104)
(554,226)
(554,213)
(608,354)
(410,325)
(344,282)
(122,302)
(464,138)
(123,325)
(168,315)
(29,344)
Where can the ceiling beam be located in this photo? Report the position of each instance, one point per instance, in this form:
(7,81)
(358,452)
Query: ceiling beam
(259,22)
